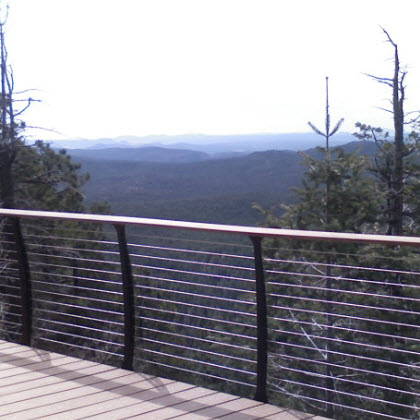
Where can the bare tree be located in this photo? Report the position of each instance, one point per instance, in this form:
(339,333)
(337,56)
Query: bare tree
(10,142)
(10,125)
(391,166)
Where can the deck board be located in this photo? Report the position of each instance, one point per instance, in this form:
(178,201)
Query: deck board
(36,384)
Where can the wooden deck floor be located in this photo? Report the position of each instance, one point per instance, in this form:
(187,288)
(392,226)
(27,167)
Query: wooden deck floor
(35,384)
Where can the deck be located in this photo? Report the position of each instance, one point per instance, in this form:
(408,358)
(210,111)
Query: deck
(36,384)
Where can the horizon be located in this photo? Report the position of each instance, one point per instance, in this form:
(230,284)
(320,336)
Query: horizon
(210,144)
(203,135)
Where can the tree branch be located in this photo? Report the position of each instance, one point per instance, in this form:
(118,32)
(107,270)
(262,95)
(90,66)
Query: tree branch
(317,131)
(389,37)
(384,80)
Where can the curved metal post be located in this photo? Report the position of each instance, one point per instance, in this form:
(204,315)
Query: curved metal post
(262,323)
(25,282)
(128,297)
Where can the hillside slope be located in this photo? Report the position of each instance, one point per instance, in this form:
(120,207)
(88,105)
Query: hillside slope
(141,154)
(218,191)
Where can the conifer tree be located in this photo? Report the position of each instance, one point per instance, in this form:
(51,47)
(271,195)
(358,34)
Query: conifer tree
(336,195)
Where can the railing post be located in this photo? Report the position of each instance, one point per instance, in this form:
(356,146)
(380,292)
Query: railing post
(128,297)
(25,282)
(262,323)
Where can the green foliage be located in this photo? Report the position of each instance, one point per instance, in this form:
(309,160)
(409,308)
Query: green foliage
(352,202)
(322,314)
(47,180)
(383,168)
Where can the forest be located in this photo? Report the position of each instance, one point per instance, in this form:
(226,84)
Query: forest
(211,191)
(321,297)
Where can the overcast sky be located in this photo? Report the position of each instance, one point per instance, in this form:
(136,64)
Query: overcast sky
(108,68)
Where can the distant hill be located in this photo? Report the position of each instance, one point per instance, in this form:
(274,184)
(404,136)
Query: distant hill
(211,144)
(144,154)
(258,172)
(367,148)
(260,142)
(218,190)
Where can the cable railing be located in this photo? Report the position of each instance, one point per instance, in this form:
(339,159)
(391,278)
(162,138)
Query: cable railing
(322,322)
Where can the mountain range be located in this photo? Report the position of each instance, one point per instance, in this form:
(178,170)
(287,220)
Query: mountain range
(211,144)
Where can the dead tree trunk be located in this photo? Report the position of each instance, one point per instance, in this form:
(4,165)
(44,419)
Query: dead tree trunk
(8,136)
(395,193)
(396,226)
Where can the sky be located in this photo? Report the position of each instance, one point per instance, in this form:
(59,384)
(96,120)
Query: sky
(108,68)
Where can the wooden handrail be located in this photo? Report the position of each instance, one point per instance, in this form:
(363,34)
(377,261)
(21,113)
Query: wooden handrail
(218,228)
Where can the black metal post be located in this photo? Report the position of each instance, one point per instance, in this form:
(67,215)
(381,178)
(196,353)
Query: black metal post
(25,282)
(262,323)
(128,297)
